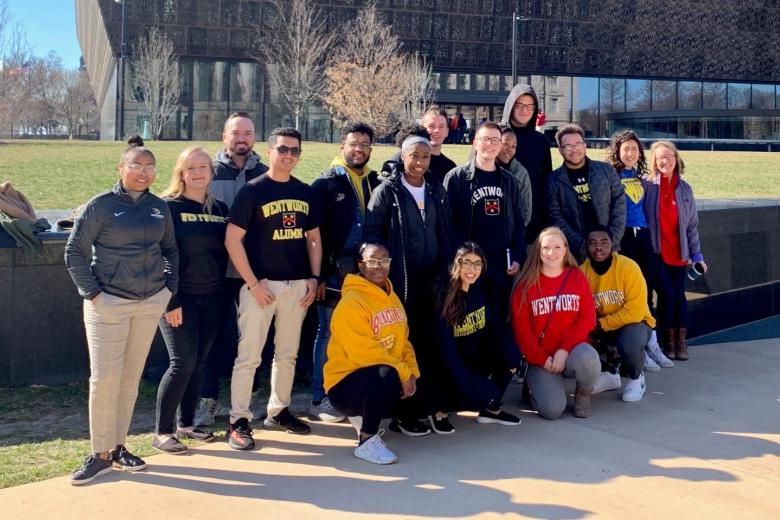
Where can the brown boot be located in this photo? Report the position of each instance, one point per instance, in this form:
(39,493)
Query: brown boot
(682,346)
(582,406)
(670,344)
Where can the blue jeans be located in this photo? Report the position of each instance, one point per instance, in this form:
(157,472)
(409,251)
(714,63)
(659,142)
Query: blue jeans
(324,313)
(188,349)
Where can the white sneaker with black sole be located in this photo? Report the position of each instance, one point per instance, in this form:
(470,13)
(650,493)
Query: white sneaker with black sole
(606,381)
(634,389)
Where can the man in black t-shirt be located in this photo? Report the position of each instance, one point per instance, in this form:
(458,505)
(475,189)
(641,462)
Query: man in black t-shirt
(273,239)
(583,193)
(486,207)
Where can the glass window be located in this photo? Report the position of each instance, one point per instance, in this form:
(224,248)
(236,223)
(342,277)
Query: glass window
(739,95)
(452,82)
(689,95)
(553,105)
(612,94)
(243,84)
(638,95)
(586,96)
(494,82)
(464,81)
(508,83)
(480,82)
(664,95)
(763,96)
(209,81)
(714,95)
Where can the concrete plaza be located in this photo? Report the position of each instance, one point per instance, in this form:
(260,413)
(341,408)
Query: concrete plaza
(703,443)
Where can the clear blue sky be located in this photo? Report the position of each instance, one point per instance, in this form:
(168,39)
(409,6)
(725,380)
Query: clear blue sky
(50,25)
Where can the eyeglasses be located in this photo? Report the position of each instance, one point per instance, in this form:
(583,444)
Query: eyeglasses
(572,147)
(284,150)
(358,146)
(138,168)
(524,107)
(489,140)
(474,264)
(373,263)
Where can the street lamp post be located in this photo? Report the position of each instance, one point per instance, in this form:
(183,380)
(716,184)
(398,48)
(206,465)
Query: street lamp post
(122,68)
(515,18)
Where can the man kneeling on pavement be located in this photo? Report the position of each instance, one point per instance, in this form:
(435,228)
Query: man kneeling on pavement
(623,321)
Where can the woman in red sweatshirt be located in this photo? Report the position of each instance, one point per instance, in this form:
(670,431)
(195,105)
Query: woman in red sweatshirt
(552,314)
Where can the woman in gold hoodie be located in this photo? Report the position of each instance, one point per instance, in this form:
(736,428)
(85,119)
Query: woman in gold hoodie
(371,369)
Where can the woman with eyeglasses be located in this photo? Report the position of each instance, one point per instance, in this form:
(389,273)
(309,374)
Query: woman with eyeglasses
(408,213)
(371,372)
(674,233)
(123,258)
(198,311)
(476,345)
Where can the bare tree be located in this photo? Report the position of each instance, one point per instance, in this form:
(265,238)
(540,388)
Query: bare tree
(372,79)
(158,80)
(77,107)
(294,50)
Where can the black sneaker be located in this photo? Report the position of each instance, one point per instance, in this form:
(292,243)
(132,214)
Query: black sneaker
(409,426)
(196,435)
(499,417)
(92,467)
(240,435)
(286,422)
(441,426)
(125,460)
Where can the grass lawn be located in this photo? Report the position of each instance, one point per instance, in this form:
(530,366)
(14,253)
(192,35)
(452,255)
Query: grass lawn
(64,174)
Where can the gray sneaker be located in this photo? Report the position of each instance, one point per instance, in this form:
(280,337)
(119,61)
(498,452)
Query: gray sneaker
(325,412)
(650,364)
(653,349)
(207,410)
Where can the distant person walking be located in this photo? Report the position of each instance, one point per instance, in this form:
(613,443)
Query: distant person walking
(123,258)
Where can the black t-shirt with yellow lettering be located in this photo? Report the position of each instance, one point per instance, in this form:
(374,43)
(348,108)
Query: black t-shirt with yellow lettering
(200,237)
(580,181)
(275,216)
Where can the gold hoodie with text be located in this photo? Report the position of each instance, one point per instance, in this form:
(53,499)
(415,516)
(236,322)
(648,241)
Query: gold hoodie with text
(368,328)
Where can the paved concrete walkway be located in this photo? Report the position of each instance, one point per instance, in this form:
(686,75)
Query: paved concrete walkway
(704,443)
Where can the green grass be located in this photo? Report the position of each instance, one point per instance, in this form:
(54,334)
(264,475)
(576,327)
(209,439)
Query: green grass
(64,174)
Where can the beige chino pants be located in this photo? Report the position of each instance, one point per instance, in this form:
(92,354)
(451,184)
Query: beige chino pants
(253,324)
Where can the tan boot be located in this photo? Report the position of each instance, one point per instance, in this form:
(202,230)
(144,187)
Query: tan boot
(682,346)
(582,406)
(670,343)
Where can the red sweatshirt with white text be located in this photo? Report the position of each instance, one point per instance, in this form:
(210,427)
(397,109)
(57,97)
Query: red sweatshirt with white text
(573,315)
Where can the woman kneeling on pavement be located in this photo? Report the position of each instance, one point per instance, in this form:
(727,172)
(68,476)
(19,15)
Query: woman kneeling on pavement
(552,313)
(476,346)
(197,312)
(371,372)
(123,258)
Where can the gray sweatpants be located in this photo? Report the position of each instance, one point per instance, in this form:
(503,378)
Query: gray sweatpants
(548,392)
(631,341)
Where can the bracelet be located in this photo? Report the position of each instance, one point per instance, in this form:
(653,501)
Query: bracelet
(317,277)
(250,287)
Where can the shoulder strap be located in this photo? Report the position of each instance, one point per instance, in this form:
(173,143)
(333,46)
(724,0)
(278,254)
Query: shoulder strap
(555,306)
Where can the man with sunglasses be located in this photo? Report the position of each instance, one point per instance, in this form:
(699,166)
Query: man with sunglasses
(487,208)
(583,193)
(342,193)
(521,111)
(273,239)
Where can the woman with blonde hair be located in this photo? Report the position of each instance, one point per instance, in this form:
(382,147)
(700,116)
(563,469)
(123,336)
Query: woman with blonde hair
(123,258)
(552,314)
(196,314)
(674,233)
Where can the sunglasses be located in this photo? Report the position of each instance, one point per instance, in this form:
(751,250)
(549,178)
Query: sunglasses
(295,151)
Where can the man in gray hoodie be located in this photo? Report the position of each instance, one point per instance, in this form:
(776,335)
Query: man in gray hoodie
(521,109)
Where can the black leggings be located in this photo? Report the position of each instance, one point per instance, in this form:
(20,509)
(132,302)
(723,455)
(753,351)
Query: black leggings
(637,246)
(373,393)
(672,305)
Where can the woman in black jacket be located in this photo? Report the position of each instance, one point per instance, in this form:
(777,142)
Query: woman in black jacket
(408,214)
(198,311)
(123,258)
(477,348)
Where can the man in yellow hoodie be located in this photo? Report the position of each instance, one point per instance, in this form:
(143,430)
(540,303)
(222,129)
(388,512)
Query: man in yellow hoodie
(371,369)
(624,317)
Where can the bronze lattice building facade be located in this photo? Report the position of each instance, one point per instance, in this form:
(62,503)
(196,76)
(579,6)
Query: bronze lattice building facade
(685,68)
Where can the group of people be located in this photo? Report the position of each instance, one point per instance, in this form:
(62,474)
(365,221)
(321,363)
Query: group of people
(434,283)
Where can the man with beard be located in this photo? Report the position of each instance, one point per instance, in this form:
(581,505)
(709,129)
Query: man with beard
(342,193)
(434,121)
(233,167)
(521,111)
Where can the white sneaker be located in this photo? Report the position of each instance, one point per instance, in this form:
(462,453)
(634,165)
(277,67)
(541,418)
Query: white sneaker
(650,364)
(207,410)
(655,352)
(606,381)
(634,390)
(375,451)
(325,412)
